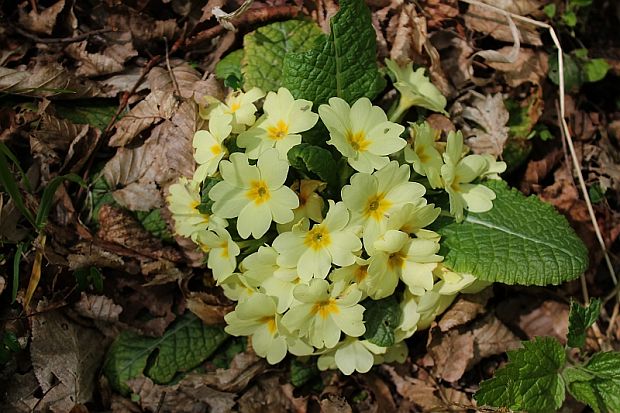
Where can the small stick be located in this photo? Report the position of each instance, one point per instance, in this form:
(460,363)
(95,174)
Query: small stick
(250,17)
(177,91)
(73,39)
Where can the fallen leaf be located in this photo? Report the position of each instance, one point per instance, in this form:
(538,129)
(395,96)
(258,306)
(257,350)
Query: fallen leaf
(120,404)
(120,227)
(207,308)
(189,396)
(111,60)
(88,254)
(383,400)
(142,27)
(484,20)
(455,57)
(2,284)
(17,394)
(454,352)
(264,396)
(65,359)
(98,307)
(488,115)
(530,66)
(335,404)
(46,80)
(467,308)
(548,319)
(244,367)
(43,22)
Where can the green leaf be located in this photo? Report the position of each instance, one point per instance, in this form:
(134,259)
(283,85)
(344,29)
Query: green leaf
(345,65)
(17,259)
(186,344)
(97,113)
(266,47)
(530,381)
(570,18)
(579,320)
(153,222)
(602,390)
(229,66)
(521,240)
(595,70)
(7,181)
(550,10)
(381,318)
(302,373)
(572,73)
(315,162)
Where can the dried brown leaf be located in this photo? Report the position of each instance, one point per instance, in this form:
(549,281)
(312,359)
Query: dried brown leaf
(465,309)
(455,352)
(420,392)
(110,61)
(88,254)
(65,358)
(98,307)
(142,27)
(265,396)
(335,404)
(17,393)
(122,82)
(482,19)
(43,22)
(190,395)
(120,227)
(455,57)
(487,131)
(209,312)
(530,66)
(548,319)
(138,196)
(243,368)
(46,80)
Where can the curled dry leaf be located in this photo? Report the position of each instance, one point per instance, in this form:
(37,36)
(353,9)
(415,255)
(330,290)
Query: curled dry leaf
(207,308)
(484,20)
(188,396)
(467,308)
(98,307)
(110,61)
(488,116)
(120,227)
(65,360)
(46,80)
(529,66)
(454,352)
(42,22)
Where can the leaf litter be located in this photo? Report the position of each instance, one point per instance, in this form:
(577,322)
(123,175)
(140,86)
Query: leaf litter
(144,282)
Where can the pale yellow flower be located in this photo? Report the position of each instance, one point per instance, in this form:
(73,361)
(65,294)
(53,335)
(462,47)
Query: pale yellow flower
(423,154)
(209,146)
(239,105)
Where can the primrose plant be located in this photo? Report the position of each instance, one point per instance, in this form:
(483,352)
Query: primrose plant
(338,230)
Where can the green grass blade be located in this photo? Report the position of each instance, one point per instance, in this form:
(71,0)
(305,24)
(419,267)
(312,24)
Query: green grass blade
(7,152)
(10,186)
(48,197)
(21,247)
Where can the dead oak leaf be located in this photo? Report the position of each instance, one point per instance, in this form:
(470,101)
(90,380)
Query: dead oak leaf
(484,120)
(65,358)
(110,61)
(98,307)
(42,22)
(188,396)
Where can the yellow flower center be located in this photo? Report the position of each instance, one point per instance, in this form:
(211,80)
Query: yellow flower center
(258,192)
(325,308)
(424,158)
(216,149)
(396,260)
(271,323)
(317,238)
(224,247)
(377,206)
(279,131)
(358,141)
(361,273)
(235,107)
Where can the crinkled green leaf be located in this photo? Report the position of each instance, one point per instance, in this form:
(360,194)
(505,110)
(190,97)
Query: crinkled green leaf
(230,65)
(301,372)
(602,390)
(154,223)
(186,344)
(266,47)
(345,65)
(315,162)
(381,318)
(97,113)
(579,320)
(572,73)
(531,380)
(521,240)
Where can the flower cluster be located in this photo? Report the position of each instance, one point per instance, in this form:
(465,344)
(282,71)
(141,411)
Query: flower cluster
(301,264)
